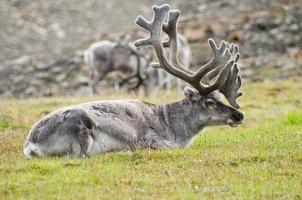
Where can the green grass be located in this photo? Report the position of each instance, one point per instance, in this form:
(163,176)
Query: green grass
(262,159)
(268,72)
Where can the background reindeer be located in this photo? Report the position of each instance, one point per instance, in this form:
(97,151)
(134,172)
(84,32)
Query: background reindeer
(97,127)
(105,57)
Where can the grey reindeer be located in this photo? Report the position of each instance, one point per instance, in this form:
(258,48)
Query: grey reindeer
(106,56)
(96,127)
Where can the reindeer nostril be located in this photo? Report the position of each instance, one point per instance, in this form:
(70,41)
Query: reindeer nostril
(238,116)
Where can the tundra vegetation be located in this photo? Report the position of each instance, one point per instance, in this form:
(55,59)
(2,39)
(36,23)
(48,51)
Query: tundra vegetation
(261,159)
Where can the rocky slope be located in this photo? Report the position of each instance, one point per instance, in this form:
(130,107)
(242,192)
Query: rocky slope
(40,40)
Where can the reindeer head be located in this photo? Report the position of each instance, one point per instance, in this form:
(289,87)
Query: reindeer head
(210,110)
(220,74)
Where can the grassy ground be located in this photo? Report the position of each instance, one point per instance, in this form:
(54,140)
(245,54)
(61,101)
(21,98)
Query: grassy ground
(262,159)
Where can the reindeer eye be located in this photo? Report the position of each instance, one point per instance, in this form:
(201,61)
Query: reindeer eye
(210,103)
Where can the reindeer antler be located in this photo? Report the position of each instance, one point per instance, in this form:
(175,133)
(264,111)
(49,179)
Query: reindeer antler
(220,73)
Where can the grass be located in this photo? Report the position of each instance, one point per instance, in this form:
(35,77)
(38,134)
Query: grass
(262,159)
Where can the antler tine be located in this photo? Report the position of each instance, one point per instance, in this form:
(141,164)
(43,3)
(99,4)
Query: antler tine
(221,78)
(171,29)
(155,28)
(217,59)
(232,53)
(231,86)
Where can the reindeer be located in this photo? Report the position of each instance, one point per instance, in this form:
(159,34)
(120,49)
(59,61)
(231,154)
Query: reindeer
(105,57)
(96,127)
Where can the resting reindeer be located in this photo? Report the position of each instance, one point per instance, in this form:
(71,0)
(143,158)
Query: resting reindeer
(97,127)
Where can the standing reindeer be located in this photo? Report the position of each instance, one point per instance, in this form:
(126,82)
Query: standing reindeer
(96,127)
(105,57)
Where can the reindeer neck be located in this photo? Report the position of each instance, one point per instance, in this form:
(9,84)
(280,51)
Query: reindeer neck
(181,119)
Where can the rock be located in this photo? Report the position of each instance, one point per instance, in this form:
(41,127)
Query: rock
(42,52)
(21,60)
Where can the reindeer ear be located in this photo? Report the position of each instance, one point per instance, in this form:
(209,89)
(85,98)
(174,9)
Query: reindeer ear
(192,94)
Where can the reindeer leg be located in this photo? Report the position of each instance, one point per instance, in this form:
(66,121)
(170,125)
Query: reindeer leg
(145,89)
(93,82)
(85,135)
(116,86)
(169,84)
(85,140)
(179,86)
(154,141)
(81,128)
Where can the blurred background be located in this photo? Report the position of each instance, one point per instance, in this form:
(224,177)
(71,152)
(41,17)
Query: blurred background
(42,42)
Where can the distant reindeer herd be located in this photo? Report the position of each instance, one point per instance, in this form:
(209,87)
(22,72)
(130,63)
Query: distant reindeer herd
(96,127)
